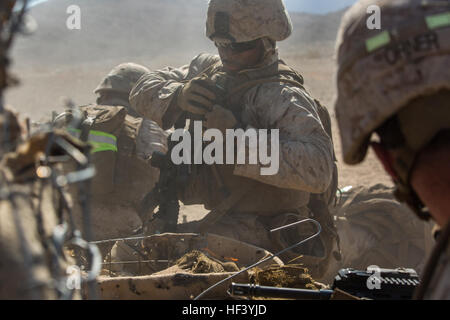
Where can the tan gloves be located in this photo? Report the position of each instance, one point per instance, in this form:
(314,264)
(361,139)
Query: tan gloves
(196,97)
(220,118)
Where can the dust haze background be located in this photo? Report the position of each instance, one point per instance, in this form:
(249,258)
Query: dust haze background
(56,62)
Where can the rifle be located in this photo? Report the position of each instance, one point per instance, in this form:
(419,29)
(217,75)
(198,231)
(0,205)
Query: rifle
(382,284)
(165,192)
(172,178)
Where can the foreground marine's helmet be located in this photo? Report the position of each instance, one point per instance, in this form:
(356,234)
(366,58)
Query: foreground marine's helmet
(247,20)
(385,75)
(381,71)
(122,78)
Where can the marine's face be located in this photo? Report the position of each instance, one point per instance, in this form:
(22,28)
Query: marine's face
(240,56)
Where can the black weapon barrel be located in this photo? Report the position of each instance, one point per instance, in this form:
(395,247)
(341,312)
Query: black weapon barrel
(251,290)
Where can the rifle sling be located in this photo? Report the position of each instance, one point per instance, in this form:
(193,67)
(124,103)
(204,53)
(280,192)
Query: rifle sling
(236,195)
(250,84)
(222,209)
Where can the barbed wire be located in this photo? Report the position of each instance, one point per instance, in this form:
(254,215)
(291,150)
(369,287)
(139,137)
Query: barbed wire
(319,230)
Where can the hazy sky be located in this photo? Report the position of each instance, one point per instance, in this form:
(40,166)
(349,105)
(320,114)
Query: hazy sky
(310,6)
(317,6)
(34,2)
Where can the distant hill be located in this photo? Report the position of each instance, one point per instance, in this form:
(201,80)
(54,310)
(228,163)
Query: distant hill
(117,29)
(113,29)
(314,30)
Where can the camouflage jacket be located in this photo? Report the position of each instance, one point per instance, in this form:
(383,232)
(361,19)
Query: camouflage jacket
(439,288)
(123,171)
(138,139)
(122,157)
(306,151)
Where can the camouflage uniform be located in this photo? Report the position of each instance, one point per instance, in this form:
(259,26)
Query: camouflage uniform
(440,284)
(375,229)
(124,174)
(394,81)
(306,150)
(117,84)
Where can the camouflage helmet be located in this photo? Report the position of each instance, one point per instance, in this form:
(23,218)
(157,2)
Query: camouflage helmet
(382,71)
(122,78)
(247,20)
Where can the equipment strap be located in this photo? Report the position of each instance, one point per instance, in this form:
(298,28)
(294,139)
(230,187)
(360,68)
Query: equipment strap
(100,141)
(250,84)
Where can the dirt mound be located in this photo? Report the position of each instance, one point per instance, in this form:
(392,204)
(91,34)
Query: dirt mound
(198,262)
(288,276)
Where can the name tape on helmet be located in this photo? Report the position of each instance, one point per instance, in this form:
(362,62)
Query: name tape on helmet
(433,22)
(438,20)
(378,41)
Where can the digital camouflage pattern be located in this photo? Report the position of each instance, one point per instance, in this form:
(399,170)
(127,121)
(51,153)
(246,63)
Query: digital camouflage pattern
(440,285)
(306,150)
(397,71)
(375,229)
(122,78)
(247,20)
(123,176)
(381,71)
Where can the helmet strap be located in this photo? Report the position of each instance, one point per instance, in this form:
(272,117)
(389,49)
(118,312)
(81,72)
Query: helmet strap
(403,165)
(392,137)
(269,48)
(408,132)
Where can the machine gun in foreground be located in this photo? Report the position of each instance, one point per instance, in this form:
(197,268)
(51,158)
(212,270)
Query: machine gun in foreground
(381,284)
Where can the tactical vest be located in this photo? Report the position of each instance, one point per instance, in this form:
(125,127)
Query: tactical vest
(264,198)
(113,136)
(103,131)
